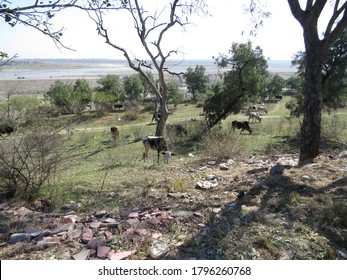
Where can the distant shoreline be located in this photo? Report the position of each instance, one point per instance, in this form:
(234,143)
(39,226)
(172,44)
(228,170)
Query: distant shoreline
(35,76)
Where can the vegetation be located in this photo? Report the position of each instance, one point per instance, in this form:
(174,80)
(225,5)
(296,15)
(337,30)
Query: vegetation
(240,85)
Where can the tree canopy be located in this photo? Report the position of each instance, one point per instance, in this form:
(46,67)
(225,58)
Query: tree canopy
(247,75)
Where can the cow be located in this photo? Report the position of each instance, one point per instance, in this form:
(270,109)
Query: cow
(176,128)
(7,130)
(241,125)
(158,144)
(263,109)
(118,106)
(114,133)
(254,115)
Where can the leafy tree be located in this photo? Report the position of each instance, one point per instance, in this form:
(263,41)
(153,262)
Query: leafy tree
(241,83)
(334,77)
(113,85)
(317,45)
(197,81)
(70,97)
(175,93)
(133,87)
(275,86)
(293,84)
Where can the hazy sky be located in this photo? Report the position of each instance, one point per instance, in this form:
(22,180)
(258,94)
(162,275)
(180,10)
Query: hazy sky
(280,37)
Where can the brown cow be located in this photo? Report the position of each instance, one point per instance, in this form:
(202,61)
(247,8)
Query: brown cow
(114,133)
(241,125)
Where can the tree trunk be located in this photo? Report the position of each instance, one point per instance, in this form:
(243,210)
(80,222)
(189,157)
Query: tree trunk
(162,121)
(313,101)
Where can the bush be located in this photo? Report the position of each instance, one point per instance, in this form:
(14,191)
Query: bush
(220,144)
(27,162)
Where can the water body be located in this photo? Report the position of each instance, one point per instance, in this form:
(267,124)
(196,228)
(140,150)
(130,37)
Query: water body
(88,68)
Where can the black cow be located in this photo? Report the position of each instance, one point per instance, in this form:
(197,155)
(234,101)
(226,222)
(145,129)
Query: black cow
(157,143)
(7,129)
(156,116)
(118,106)
(241,125)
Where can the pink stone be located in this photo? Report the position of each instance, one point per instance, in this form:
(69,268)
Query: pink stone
(87,235)
(102,252)
(121,255)
(110,220)
(142,231)
(133,215)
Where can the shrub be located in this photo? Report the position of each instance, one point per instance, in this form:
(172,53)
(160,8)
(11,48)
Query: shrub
(27,162)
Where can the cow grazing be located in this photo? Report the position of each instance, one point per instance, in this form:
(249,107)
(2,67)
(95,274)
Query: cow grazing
(7,130)
(158,144)
(177,129)
(254,115)
(118,106)
(114,133)
(241,125)
(263,109)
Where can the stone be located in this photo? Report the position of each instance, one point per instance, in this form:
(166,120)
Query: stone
(87,235)
(121,255)
(62,228)
(142,232)
(102,252)
(223,167)
(94,243)
(133,215)
(305,178)
(343,154)
(100,213)
(95,225)
(81,256)
(159,249)
(277,170)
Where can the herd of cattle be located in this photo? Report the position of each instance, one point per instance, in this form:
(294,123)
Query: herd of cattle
(159,144)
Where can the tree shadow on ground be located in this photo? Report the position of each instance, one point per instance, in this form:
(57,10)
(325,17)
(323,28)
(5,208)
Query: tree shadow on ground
(277,216)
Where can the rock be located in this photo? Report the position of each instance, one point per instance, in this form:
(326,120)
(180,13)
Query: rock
(102,252)
(305,178)
(212,162)
(142,232)
(94,243)
(100,213)
(230,162)
(19,237)
(277,170)
(223,167)
(216,210)
(154,221)
(133,215)
(62,228)
(121,255)
(159,249)
(211,183)
(110,220)
(81,256)
(87,235)
(343,154)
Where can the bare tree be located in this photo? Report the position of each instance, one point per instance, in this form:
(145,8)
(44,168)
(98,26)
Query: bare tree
(36,15)
(151,29)
(316,46)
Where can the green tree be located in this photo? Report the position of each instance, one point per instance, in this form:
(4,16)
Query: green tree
(113,85)
(240,84)
(317,45)
(334,78)
(133,87)
(72,98)
(175,93)
(275,86)
(197,81)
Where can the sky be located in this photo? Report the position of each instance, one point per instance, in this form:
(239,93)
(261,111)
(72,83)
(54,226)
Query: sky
(280,37)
